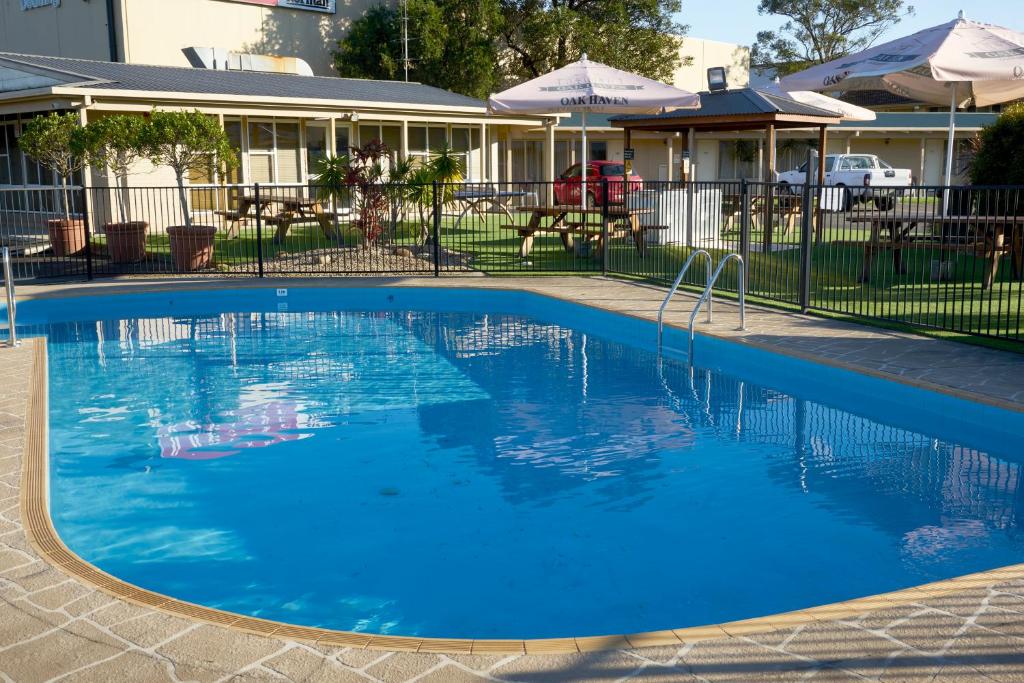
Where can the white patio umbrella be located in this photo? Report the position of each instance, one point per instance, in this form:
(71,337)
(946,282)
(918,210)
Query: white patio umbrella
(848,112)
(587,86)
(955,63)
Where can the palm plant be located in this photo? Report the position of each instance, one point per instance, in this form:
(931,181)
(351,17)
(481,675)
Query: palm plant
(332,184)
(419,191)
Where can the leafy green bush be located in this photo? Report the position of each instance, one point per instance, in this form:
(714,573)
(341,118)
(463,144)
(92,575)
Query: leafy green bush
(1000,156)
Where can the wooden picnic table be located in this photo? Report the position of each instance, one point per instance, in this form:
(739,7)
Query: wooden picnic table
(591,223)
(487,199)
(293,209)
(788,207)
(990,237)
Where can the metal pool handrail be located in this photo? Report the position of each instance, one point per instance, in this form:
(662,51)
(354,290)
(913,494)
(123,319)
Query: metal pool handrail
(675,286)
(12,304)
(706,296)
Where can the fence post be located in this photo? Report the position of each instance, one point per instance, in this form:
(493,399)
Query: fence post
(806,237)
(437,231)
(745,228)
(259,230)
(88,233)
(604,224)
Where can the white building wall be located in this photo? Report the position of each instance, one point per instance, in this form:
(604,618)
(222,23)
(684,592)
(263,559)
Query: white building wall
(703,54)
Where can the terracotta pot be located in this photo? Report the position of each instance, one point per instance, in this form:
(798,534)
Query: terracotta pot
(67,236)
(191,248)
(126,242)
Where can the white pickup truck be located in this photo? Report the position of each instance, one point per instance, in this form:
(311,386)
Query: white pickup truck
(865,177)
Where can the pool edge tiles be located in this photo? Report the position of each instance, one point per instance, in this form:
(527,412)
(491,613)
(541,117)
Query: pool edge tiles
(43,537)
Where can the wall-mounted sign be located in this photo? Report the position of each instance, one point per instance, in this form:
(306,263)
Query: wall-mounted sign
(33,4)
(328,6)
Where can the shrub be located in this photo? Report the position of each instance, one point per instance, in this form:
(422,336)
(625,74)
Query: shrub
(1000,156)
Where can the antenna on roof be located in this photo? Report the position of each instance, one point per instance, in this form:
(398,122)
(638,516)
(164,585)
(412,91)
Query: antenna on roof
(405,38)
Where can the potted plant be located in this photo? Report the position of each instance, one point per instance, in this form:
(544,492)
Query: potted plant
(188,141)
(116,143)
(57,141)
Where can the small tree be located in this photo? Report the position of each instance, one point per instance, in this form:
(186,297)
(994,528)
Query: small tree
(187,141)
(117,142)
(58,142)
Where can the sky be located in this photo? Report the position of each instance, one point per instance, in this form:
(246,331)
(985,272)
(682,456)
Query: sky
(737,21)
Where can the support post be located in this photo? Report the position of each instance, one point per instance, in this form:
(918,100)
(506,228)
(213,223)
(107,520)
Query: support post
(259,230)
(86,206)
(604,225)
(549,163)
(806,239)
(437,230)
(745,224)
(819,217)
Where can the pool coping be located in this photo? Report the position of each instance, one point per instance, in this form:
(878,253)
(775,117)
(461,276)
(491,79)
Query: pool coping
(38,526)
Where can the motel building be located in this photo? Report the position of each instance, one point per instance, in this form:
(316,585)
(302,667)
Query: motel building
(263,68)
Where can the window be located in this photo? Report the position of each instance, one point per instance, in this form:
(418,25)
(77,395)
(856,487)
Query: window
(562,159)
(274,152)
(597,150)
(423,140)
(342,139)
(316,146)
(6,140)
(261,152)
(289,153)
(572,172)
(389,135)
(233,129)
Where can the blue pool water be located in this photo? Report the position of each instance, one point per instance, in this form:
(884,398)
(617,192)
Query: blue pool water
(495,464)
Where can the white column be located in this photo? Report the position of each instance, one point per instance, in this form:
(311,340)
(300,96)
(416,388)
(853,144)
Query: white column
(670,143)
(549,161)
(405,139)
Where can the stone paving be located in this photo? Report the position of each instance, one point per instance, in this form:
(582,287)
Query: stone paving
(55,627)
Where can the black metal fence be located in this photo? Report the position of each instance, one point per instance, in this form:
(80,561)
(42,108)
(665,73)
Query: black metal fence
(936,257)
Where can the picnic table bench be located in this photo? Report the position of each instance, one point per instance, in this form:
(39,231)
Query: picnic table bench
(591,224)
(487,199)
(294,208)
(990,237)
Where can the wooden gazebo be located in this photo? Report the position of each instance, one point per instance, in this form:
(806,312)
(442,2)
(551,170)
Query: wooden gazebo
(738,110)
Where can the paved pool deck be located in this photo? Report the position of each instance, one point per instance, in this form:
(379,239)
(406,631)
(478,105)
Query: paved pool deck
(60,622)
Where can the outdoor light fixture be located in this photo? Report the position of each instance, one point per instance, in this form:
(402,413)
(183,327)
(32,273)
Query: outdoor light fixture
(716,79)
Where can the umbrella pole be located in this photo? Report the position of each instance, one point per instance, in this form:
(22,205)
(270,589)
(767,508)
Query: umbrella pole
(584,170)
(949,151)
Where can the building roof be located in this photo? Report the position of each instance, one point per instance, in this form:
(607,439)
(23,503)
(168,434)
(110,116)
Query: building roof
(86,74)
(746,107)
(924,120)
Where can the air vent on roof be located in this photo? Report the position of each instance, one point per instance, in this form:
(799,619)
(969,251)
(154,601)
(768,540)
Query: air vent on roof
(225,60)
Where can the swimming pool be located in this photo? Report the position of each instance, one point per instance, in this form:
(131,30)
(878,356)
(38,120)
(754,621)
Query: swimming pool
(460,463)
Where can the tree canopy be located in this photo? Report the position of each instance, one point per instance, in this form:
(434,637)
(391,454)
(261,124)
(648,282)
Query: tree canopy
(818,31)
(476,47)
(635,35)
(451,45)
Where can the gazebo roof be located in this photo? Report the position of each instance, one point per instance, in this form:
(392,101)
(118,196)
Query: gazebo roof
(729,110)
